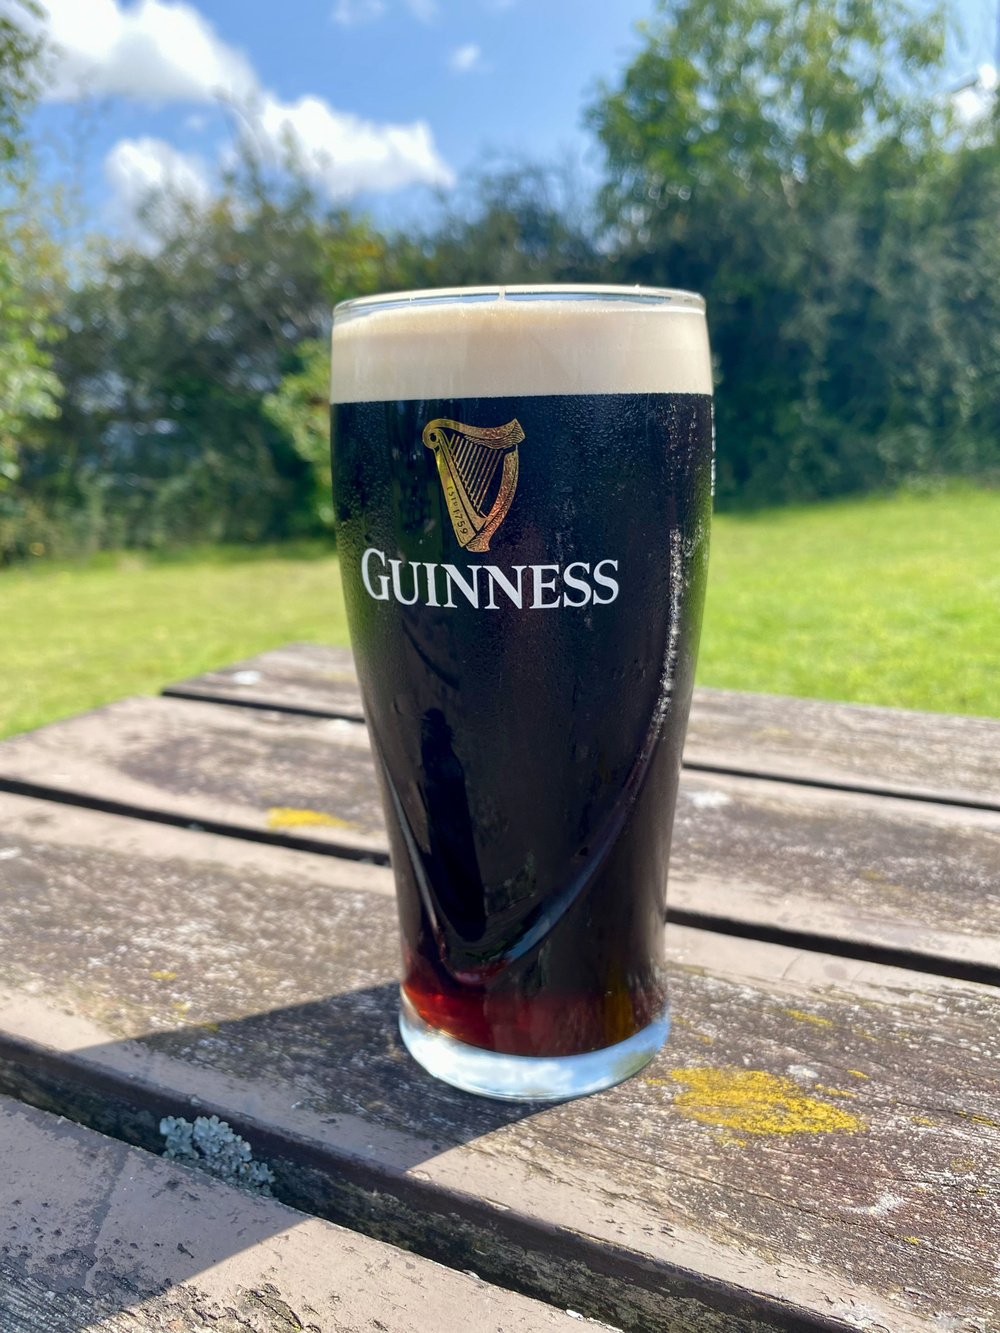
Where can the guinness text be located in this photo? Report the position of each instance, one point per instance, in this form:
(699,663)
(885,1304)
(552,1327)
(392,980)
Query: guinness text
(488,587)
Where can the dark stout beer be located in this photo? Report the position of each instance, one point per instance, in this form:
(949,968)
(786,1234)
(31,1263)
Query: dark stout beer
(522,488)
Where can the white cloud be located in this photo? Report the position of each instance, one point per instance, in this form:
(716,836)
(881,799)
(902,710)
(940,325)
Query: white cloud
(156,51)
(424,10)
(349,13)
(137,168)
(464,59)
(976,98)
(344,153)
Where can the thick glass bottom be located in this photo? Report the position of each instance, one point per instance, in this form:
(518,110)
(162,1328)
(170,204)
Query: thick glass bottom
(527,1078)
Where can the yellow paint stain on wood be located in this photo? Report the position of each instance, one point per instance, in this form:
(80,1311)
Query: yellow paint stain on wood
(979,1119)
(803,1017)
(876,877)
(164,976)
(751,1101)
(284,816)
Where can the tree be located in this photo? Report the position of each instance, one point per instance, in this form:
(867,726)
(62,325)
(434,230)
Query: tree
(301,408)
(517,225)
(772,154)
(20,49)
(28,387)
(171,350)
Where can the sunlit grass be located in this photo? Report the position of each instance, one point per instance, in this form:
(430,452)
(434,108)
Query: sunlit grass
(75,635)
(891,601)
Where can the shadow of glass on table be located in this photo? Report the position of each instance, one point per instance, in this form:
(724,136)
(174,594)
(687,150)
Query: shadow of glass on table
(294,1083)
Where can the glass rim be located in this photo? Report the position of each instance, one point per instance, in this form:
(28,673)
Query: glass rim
(607,293)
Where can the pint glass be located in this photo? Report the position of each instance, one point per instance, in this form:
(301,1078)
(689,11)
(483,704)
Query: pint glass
(522,484)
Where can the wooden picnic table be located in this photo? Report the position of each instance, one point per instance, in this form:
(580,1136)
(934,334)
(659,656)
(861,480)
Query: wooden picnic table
(198,920)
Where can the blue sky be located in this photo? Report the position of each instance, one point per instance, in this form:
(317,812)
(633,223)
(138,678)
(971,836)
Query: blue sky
(385,100)
(419,91)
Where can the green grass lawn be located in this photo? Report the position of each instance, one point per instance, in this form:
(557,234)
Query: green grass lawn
(76,635)
(880,601)
(891,601)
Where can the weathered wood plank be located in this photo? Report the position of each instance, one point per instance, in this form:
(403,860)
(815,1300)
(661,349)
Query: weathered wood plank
(308,678)
(102,1237)
(892,874)
(264,772)
(884,873)
(817,1146)
(857,745)
(938,756)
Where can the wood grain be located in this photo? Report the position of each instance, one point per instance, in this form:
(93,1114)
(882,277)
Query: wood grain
(259,772)
(838,866)
(935,755)
(816,1148)
(847,870)
(307,678)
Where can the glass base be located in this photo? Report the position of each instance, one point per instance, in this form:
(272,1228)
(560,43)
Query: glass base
(527,1078)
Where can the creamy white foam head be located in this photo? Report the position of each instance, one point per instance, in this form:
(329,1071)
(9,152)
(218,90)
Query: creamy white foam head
(582,340)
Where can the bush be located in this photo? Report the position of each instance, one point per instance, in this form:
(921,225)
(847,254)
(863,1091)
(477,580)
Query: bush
(791,162)
(168,356)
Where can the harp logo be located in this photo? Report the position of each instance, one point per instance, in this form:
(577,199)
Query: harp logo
(478,470)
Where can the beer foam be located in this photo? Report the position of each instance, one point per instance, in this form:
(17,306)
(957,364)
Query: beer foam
(495,343)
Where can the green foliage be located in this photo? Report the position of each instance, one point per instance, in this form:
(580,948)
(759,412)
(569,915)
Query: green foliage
(301,408)
(789,161)
(28,387)
(519,224)
(196,366)
(170,353)
(29,266)
(19,74)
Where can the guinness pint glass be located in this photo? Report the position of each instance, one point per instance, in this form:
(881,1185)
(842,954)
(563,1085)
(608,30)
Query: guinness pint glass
(522,484)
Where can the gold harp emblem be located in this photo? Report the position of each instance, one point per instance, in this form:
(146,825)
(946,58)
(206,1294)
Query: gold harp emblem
(468,458)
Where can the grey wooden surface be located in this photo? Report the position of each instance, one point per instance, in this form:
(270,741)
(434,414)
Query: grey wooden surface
(937,756)
(310,678)
(266,772)
(917,880)
(856,745)
(816,1147)
(102,1237)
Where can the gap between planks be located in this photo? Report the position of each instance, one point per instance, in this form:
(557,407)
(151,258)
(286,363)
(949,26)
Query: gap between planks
(856,786)
(914,960)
